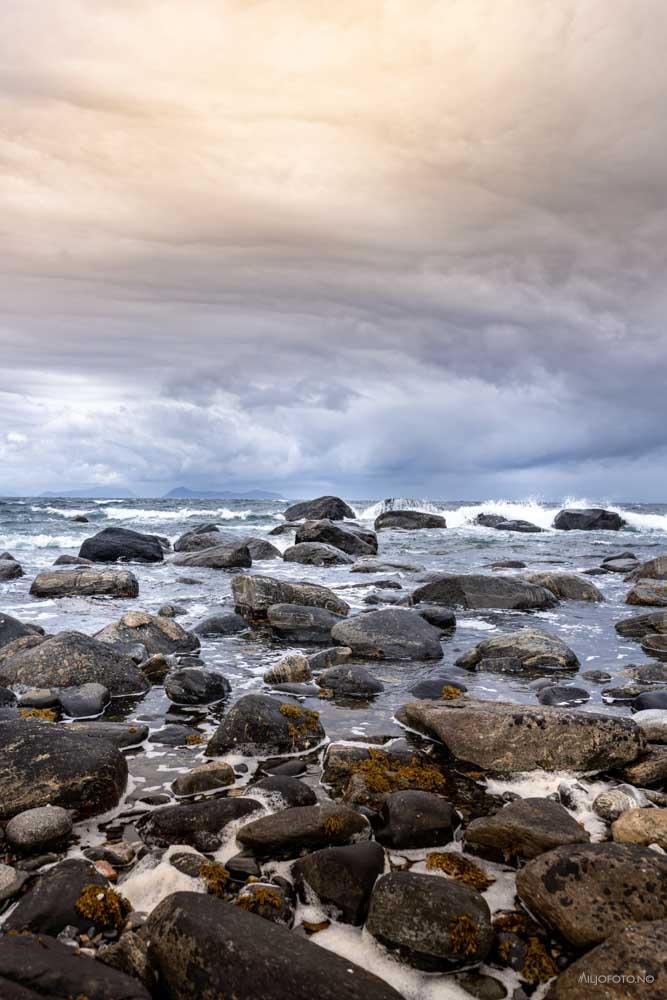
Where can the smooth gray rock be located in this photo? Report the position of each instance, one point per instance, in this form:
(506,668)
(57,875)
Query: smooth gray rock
(199,824)
(39,828)
(523,830)
(260,725)
(477,590)
(85,583)
(415,819)
(332,508)
(84,701)
(350,538)
(350,681)
(122,545)
(303,828)
(227,556)
(204,778)
(300,623)
(49,904)
(194,686)
(122,735)
(317,554)
(12,629)
(341,877)
(222,623)
(155,632)
(389,634)
(532,648)
(566,586)
(254,595)
(408,520)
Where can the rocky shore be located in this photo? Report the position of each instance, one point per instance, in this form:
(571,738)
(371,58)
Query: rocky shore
(490,848)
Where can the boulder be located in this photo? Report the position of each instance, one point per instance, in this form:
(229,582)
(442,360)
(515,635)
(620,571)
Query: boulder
(10,569)
(331,508)
(206,777)
(295,831)
(292,791)
(254,595)
(441,618)
(11,882)
(33,967)
(349,682)
(436,688)
(651,700)
(505,737)
(477,590)
(408,520)
(317,554)
(199,824)
(610,804)
(221,623)
(302,623)
(630,963)
(349,538)
(389,634)
(39,828)
(649,593)
(641,826)
(341,877)
(414,819)
(49,905)
(227,556)
(654,569)
(649,770)
(194,686)
(85,583)
(587,893)
(522,830)
(589,519)
(84,701)
(204,536)
(260,549)
(655,645)
(532,648)
(653,724)
(68,659)
(638,626)
(66,560)
(122,545)
(501,523)
(122,735)
(12,629)
(155,632)
(258,725)
(562,694)
(567,586)
(292,669)
(204,948)
(385,566)
(430,923)
(45,764)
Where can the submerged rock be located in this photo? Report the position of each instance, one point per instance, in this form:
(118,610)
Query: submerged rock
(254,595)
(532,648)
(332,508)
(506,737)
(390,634)
(317,554)
(155,632)
(260,725)
(430,923)
(292,791)
(341,877)
(121,734)
(198,824)
(203,947)
(477,590)
(122,545)
(588,519)
(408,520)
(522,830)
(562,694)
(85,583)
(303,828)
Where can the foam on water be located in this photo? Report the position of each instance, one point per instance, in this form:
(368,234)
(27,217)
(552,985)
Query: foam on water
(183,514)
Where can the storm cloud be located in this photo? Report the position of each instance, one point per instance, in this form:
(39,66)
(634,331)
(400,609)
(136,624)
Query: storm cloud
(401,247)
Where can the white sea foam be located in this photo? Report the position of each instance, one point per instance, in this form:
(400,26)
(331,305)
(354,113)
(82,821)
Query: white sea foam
(147,514)
(42,541)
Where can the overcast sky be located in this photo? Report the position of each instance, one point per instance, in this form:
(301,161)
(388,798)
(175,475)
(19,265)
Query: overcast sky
(375,247)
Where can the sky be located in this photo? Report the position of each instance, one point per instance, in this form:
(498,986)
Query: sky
(379,248)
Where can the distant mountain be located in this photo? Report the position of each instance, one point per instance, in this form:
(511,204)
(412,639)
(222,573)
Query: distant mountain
(92,493)
(184,493)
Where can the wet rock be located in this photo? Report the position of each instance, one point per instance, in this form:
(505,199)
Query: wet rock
(199,824)
(49,904)
(303,828)
(317,554)
(46,764)
(655,645)
(333,656)
(508,564)
(641,826)
(84,701)
(481,986)
(648,770)
(653,724)
(610,804)
(10,569)
(194,686)
(588,893)
(227,556)
(436,688)
(654,569)
(85,583)
(632,959)
(224,623)
(39,828)
(441,618)
(385,566)
(379,597)
(129,955)
(350,682)
(391,634)
(301,623)
(332,508)
(651,593)
(505,737)
(155,632)
(121,734)
(501,523)
(122,545)
(620,564)
(12,629)
(595,676)
(260,549)
(522,830)
(292,791)
(254,595)
(11,882)
(293,668)
(588,519)
(477,590)
(430,923)
(408,520)
(413,819)
(562,694)
(341,877)
(41,967)
(352,539)
(156,668)
(72,561)
(177,736)
(567,586)
(204,778)
(531,647)
(648,673)
(651,700)
(69,659)
(170,610)
(203,947)
(292,768)
(268,901)
(260,725)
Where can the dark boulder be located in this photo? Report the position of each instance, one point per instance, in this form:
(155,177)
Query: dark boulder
(654,569)
(341,877)
(49,905)
(12,628)
(562,694)
(637,626)
(84,701)
(122,545)
(650,699)
(332,508)
(441,618)
(260,549)
(254,595)
(122,735)
(349,538)
(477,590)
(155,632)
(317,554)
(590,519)
(390,634)
(10,569)
(532,648)
(300,623)
(292,791)
(212,775)
(221,623)
(436,688)
(430,923)
(234,555)
(566,586)
(414,819)
(260,725)
(85,583)
(501,523)
(199,824)
(655,645)
(408,520)
(350,682)
(194,686)
(205,949)
(294,831)
(523,830)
